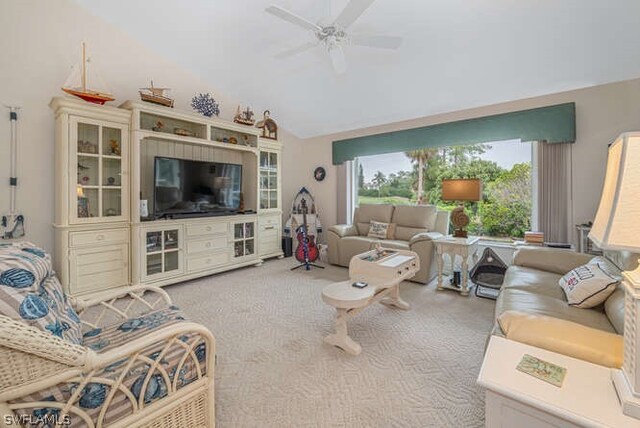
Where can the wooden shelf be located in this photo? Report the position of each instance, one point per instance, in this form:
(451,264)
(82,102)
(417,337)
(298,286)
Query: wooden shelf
(195,140)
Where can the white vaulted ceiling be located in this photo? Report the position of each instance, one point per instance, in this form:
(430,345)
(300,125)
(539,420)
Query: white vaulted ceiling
(456,54)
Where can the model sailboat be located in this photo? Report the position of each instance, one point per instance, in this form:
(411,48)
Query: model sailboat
(77,83)
(156,96)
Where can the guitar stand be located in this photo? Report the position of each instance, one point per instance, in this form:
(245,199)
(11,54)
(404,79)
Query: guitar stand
(307,266)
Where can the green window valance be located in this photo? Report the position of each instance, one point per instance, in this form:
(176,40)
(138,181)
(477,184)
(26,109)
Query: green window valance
(553,124)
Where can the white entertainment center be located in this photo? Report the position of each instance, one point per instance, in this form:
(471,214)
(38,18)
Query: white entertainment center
(104,160)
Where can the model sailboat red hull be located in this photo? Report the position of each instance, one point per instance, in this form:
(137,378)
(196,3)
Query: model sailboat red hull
(92,97)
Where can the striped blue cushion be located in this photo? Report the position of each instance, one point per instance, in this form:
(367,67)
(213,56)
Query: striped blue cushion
(31,293)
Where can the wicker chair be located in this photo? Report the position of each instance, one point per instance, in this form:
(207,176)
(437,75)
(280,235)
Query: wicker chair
(161,377)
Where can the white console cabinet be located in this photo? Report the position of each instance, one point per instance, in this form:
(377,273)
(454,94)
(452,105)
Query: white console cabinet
(104,168)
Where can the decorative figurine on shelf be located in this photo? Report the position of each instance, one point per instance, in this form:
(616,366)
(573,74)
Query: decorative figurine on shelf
(268,126)
(115,147)
(244,117)
(245,140)
(159,126)
(206,105)
(156,96)
(233,140)
(87,147)
(183,132)
(241,204)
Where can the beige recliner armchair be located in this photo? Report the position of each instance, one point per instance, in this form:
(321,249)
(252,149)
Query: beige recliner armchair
(416,227)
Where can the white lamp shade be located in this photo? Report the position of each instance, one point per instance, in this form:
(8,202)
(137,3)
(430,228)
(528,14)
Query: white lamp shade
(617,223)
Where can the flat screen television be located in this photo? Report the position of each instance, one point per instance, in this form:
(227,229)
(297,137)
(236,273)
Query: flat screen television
(188,188)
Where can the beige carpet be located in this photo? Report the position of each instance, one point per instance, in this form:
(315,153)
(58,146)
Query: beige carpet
(417,368)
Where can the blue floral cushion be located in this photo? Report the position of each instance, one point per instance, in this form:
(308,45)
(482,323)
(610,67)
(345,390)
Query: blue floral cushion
(31,293)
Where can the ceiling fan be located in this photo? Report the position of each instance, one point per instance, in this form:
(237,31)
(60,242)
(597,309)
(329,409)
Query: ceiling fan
(334,36)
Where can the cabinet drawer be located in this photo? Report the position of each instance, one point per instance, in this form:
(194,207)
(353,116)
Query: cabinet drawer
(269,241)
(99,268)
(110,236)
(265,221)
(194,247)
(207,262)
(207,229)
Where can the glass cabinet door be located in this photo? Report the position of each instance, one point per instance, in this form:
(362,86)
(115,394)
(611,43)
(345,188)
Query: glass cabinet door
(162,251)
(97,163)
(268,180)
(244,239)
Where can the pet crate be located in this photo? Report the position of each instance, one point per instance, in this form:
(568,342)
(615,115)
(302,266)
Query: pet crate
(488,274)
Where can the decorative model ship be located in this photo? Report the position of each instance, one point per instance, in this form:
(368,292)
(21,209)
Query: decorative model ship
(156,96)
(77,84)
(244,117)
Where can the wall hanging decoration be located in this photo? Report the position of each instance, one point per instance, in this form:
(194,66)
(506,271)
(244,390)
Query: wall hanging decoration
(319,173)
(156,96)
(12,224)
(268,126)
(78,83)
(244,117)
(206,105)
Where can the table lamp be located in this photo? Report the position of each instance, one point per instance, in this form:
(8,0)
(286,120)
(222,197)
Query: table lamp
(617,227)
(459,190)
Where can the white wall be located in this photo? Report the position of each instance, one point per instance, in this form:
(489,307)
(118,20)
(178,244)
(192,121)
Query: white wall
(39,42)
(602,112)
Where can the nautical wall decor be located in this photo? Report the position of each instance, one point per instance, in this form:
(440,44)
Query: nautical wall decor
(319,173)
(206,105)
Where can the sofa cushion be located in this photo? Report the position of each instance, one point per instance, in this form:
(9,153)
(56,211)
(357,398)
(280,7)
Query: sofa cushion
(565,337)
(353,245)
(588,285)
(394,244)
(413,219)
(103,339)
(417,216)
(31,293)
(367,212)
(614,308)
(541,304)
(533,281)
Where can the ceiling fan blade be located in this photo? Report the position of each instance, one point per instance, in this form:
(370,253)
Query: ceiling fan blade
(338,60)
(295,50)
(292,18)
(380,42)
(352,12)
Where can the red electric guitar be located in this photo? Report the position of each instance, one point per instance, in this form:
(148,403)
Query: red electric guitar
(307,251)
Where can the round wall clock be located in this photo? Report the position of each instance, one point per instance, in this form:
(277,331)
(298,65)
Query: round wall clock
(319,173)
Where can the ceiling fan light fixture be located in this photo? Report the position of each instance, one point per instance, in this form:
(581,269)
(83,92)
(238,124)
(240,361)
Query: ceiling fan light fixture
(337,58)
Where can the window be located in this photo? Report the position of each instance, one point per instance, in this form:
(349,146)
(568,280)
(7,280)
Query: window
(504,167)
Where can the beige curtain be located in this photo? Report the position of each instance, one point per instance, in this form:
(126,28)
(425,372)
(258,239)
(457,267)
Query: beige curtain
(554,190)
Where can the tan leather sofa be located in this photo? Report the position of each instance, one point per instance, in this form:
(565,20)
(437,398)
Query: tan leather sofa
(416,227)
(531,286)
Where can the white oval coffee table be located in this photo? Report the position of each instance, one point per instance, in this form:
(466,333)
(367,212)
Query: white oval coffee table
(344,297)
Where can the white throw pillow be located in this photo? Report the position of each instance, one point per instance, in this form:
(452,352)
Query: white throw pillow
(589,285)
(378,230)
